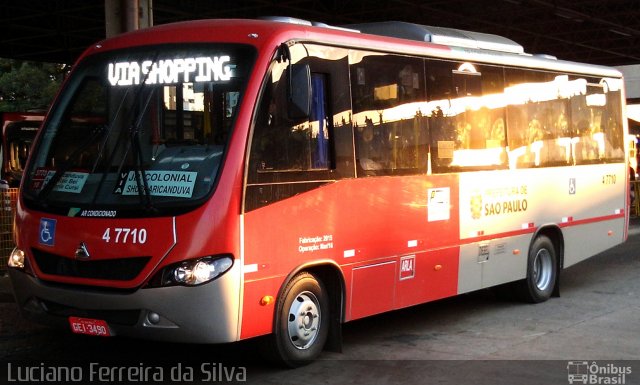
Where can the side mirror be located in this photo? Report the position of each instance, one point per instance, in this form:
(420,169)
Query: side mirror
(299,92)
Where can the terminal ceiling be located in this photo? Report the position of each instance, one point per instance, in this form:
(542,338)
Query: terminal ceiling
(595,31)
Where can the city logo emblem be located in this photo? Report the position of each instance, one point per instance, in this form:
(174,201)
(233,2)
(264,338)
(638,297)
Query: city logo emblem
(476,205)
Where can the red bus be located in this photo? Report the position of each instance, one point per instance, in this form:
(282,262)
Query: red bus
(230,179)
(18,131)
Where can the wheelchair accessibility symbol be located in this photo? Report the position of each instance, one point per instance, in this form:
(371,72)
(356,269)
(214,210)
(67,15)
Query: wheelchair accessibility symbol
(47,231)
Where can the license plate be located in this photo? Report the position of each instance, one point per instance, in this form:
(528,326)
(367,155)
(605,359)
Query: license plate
(92,327)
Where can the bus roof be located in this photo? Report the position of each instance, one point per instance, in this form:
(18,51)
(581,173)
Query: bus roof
(397,37)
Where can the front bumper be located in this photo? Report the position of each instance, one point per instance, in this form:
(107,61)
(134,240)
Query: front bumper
(203,314)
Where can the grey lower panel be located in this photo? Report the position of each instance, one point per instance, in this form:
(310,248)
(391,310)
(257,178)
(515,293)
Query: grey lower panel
(202,314)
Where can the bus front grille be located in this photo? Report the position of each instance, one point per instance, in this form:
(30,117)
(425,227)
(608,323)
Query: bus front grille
(120,269)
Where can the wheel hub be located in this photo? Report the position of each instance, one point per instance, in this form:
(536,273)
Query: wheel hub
(542,269)
(304,320)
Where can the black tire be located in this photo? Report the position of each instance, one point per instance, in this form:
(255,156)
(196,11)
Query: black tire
(302,321)
(542,271)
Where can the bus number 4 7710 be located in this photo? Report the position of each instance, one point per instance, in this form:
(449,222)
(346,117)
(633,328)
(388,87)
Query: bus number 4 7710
(124,235)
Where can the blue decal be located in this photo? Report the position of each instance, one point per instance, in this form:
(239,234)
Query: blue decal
(47,231)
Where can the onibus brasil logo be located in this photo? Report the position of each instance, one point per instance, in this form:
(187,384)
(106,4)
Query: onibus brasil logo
(585,372)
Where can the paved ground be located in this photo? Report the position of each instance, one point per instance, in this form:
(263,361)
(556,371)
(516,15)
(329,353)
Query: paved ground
(471,339)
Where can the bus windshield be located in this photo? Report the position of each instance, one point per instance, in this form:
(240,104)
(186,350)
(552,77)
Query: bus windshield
(139,130)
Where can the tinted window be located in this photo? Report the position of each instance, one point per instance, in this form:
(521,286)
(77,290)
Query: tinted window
(292,155)
(555,119)
(596,122)
(389,128)
(537,119)
(466,116)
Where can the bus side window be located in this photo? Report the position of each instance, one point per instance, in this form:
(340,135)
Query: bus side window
(293,154)
(467,130)
(596,121)
(612,121)
(537,119)
(388,97)
(282,144)
(301,147)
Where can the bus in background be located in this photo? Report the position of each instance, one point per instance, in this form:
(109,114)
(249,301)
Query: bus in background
(18,132)
(218,180)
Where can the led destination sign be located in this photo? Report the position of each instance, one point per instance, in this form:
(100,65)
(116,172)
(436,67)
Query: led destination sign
(171,71)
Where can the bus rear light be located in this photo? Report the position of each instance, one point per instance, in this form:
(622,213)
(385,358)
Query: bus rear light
(193,272)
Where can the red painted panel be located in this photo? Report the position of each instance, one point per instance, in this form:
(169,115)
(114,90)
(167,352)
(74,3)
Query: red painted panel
(372,289)
(436,277)
(104,239)
(350,221)
(257,319)
(358,222)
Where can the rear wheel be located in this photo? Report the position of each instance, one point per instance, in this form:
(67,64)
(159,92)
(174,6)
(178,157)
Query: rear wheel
(302,321)
(542,270)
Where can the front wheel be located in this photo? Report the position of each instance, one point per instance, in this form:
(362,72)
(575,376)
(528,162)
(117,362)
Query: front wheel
(302,321)
(542,270)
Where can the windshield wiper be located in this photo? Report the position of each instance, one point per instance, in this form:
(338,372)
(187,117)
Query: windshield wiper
(134,129)
(104,130)
(139,170)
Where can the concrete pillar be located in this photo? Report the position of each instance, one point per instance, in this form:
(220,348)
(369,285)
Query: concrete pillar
(127,15)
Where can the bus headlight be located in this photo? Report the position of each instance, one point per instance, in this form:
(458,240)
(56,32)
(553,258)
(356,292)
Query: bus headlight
(193,272)
(16,259)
